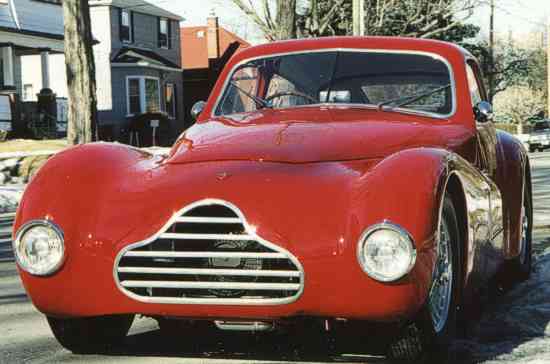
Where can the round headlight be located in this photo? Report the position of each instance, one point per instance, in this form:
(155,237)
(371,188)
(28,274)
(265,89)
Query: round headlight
(39,247)
(386,252)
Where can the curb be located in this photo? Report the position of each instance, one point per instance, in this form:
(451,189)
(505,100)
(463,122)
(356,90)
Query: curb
(13,155)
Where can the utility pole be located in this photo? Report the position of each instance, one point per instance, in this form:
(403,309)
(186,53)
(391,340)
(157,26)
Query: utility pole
(358,17)
(491,76)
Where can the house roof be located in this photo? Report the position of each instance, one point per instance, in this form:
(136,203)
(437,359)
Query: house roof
(194,45)
(140,6)
(137,56)
(33,18)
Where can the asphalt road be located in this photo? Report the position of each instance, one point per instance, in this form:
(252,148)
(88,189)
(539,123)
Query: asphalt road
(513,329)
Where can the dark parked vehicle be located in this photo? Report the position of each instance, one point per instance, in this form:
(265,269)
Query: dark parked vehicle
(539,139)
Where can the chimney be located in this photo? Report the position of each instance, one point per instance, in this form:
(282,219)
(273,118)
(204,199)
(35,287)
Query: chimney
(213,37)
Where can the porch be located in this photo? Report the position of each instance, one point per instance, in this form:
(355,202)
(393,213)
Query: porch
(13,47)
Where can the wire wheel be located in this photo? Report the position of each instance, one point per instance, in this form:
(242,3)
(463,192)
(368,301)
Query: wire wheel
(442,284)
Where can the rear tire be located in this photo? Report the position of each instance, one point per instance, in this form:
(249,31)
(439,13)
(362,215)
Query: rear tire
(434,329)
(519,269)
(91,334)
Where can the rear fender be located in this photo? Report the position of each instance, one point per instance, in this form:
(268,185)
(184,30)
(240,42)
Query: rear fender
(511,178)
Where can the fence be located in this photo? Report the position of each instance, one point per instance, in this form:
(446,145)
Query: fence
(62,112)
(5,113)
(6,222)
(46,125)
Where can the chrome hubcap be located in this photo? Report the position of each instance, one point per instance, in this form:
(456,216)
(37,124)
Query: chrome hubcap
(440,293)
(524,232)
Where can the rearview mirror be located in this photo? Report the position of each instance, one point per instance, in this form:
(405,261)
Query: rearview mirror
(197,109)
(483,112)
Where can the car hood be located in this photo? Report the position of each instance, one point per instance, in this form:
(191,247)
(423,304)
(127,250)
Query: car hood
(304,137)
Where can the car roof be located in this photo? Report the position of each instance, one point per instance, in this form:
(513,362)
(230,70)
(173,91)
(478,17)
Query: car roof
(443,49)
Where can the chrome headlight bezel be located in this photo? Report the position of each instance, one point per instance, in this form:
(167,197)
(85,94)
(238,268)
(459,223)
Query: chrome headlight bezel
(362,243)
(17,242)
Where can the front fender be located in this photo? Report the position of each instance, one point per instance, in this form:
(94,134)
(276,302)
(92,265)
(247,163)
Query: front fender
(408,188)
(82,188)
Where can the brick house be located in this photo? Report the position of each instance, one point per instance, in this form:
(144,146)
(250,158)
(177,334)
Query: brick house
(205,51)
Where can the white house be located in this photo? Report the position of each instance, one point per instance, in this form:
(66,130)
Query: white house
(32,80)
(28,28)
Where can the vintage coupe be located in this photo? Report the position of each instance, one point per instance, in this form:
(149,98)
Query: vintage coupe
(338,179)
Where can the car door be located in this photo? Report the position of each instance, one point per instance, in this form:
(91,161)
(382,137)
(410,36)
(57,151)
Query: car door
(487,163)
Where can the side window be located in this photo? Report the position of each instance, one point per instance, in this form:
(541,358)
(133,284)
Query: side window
(473,86)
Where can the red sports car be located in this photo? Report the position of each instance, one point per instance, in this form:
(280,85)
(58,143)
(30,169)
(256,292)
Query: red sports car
(338,179)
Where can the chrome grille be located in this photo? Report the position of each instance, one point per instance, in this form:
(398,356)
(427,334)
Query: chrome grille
(208,254)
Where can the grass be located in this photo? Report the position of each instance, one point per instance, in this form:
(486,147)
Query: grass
(28,145)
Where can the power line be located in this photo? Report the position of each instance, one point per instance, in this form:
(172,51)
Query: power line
(508,12)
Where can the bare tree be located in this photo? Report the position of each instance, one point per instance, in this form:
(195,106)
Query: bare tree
(284,24)
(417,18)
(278,27)
(410,18)
(323,17)
(80,67)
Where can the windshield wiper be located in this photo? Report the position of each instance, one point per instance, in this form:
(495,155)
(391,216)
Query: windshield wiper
(263,103)
(407,100)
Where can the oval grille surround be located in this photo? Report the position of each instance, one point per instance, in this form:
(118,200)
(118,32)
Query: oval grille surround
(207,253)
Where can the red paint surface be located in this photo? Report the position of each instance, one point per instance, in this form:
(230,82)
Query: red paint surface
(310,179)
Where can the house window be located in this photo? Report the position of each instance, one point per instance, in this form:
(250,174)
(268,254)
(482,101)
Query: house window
(143,95)
(164,33)
(170,99)
(28,92)
(126,26)
(152,95)
(134,96)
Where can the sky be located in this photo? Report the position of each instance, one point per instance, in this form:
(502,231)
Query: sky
(515,16)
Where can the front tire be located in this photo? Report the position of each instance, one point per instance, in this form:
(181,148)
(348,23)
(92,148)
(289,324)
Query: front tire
(431,334)
(91,334)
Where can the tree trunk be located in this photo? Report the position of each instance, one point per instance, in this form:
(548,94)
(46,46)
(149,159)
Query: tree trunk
(80,66)
(286,19)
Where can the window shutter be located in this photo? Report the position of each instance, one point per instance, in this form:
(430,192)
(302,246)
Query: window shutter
(169,21)
(158,32)
(175,97)
(132,33)
(120,24)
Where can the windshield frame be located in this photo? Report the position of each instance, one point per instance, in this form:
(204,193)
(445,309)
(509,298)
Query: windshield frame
(436,56)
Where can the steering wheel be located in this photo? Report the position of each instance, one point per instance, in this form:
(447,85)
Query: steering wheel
(292,93)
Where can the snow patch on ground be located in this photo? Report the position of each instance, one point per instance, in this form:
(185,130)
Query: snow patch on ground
(516,328)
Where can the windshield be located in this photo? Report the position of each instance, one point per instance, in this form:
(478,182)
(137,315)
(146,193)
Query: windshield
(387,80)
